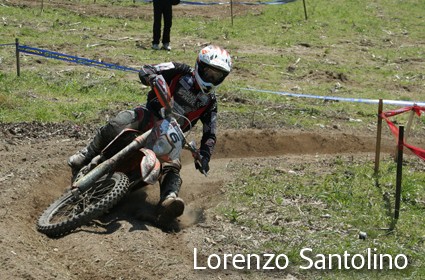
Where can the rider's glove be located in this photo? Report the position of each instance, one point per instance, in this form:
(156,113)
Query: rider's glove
(204,163)
(151,79)
(146,74)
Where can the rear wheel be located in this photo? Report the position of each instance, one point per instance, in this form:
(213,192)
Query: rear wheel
(73,210)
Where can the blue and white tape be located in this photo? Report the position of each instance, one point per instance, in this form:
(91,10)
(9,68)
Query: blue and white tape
(75,59)
(334,98)
(89,62)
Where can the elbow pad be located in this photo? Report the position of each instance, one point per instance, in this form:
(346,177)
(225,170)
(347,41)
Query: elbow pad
(145,73)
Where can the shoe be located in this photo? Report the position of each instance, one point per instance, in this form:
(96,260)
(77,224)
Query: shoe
(170,208)
(155,47)
(166,47)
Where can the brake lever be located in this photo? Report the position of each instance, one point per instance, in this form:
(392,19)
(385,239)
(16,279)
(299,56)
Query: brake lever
(197,157)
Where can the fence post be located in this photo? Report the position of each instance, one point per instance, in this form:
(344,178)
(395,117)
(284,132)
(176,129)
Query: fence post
(409,124)
(378,138)
(18,67)
(231,11)
(400,145)
(305,10)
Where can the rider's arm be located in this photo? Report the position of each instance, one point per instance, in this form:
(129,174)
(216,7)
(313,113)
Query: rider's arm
(168,70)
(209,121)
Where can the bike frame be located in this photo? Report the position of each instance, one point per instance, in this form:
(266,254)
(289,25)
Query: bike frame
(110,164)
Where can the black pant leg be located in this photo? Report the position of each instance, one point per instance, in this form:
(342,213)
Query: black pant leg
(168,22)
(157,18)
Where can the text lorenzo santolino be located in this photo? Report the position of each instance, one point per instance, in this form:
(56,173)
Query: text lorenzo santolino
(370,260)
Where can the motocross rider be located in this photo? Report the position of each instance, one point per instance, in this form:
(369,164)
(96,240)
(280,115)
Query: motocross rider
(193,91)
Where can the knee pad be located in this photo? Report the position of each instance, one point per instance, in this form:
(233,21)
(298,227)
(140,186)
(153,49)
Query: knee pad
(124,119)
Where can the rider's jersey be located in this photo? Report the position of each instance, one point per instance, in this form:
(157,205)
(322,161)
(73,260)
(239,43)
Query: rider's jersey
(189,100)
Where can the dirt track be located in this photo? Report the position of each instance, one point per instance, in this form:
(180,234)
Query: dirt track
(124,245)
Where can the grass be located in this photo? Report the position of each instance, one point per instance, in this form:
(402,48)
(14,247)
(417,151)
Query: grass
(358,49)
(69,96)
(367,44)
(324,205)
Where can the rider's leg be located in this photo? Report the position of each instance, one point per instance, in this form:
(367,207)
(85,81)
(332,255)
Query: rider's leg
(124,119)
(170,205)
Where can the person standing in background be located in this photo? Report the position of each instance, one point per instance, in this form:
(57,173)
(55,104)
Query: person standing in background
(162,8)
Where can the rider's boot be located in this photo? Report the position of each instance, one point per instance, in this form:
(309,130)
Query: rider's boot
(170,205)
(80,159)
(83,157)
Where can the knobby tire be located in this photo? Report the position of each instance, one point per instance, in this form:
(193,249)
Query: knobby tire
(69,212)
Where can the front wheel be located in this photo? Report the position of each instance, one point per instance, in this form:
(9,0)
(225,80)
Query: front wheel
(72,210)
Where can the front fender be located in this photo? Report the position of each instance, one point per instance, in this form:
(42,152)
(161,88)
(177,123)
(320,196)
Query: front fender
(150,167)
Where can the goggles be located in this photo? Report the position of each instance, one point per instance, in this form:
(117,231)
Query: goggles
(211,75)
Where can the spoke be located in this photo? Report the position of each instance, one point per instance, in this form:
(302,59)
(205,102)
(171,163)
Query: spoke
(68,210)
(99,193)
(75,206)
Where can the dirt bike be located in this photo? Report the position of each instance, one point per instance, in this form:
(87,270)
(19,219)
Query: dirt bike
(131,160)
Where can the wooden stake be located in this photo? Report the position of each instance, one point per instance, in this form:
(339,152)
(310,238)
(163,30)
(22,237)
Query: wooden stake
(305,10)
(409,124)
(231,11)
(18,67)
(378,138)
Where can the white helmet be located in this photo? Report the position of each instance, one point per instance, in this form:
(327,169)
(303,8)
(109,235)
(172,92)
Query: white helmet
(212,67)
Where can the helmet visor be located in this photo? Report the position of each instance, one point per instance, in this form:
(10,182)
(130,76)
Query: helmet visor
(211,75)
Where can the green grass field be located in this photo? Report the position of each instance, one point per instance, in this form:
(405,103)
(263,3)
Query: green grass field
(349,49)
